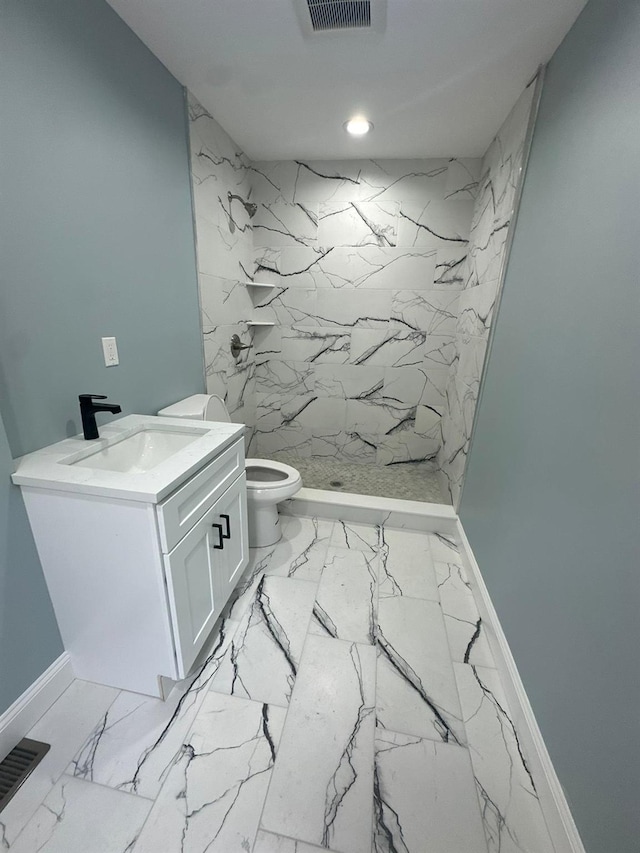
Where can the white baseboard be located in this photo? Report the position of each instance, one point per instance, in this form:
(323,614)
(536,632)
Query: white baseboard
(25,712)
(555,808)
(367,509)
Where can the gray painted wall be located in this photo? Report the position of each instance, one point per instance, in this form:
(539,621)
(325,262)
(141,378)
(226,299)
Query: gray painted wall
(29,638)
(96,238)
(550,503)
(96,225)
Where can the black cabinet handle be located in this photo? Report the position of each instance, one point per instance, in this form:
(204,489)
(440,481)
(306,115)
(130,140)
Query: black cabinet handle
(220,544)
(226,535)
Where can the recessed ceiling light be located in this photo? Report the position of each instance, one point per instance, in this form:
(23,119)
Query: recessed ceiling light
(358,126)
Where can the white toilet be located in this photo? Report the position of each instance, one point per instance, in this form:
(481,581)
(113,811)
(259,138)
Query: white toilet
(268,482)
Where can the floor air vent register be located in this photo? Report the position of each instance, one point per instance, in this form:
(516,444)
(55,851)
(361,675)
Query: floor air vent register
(18,766)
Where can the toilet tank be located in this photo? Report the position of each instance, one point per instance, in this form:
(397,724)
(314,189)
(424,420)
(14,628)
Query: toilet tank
(208,407)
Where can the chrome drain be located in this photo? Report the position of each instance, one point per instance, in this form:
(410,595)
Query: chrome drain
(18,765)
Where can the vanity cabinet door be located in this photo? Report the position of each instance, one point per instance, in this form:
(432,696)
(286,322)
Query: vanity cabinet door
(232,518)
(191,571)
(203,569)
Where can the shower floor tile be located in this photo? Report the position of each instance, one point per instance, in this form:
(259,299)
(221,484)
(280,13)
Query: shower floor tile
(286,741)
(410,481)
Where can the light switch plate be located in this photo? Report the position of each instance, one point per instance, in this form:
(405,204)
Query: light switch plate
(110,350)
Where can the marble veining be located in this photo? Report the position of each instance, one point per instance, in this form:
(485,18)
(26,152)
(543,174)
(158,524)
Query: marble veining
(364,267)
(416,692)
(303,550)
(397,306)
(482,272)
(262,660)
(406,566)
(351,180)
(242,596)
(66,819)
(133,744)
(356,537)
(317,227)
(366,746)
(332,805)
(467,634)
(267,842)
(347,599)
(510,808)
(65,726)
(416,249)
(224,214)
(213,794)
(391,236)
(358,223)
(421,788)
(280,223)
(435,222)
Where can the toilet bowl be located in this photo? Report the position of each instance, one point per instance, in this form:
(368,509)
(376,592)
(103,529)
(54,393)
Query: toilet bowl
(268,482)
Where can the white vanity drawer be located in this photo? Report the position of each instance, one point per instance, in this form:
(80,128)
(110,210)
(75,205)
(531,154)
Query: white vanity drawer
(184,508)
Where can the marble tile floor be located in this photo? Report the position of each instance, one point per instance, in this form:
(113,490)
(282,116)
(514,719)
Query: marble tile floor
(409,481)
(349,703)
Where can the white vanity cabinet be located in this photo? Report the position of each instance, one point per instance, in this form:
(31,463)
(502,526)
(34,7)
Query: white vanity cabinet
(138,584)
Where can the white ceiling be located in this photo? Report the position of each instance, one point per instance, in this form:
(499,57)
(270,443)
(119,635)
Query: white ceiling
(438,81)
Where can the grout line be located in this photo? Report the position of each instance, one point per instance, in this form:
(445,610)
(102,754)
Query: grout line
(109,788)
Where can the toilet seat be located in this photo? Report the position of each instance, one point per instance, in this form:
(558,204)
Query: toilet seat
(283,475)
(272,482)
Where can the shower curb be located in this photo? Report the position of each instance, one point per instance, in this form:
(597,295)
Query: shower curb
(368,509)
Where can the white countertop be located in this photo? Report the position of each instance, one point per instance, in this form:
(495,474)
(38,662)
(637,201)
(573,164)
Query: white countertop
(50,467)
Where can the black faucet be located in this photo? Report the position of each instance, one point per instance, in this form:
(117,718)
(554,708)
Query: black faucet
(88,411)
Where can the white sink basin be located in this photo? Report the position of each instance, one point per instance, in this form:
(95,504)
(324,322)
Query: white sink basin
(140,452)
(137,458)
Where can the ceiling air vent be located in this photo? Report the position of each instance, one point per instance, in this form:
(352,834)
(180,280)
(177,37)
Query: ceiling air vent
(336,16)
(339,14)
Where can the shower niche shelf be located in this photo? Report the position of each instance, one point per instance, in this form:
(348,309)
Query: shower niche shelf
(258,290)
(258,286)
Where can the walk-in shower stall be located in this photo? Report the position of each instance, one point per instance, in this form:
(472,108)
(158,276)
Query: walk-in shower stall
(364,292)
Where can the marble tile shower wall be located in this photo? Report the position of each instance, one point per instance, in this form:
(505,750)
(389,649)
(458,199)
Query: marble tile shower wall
(481,274)
(385,277)
(366,260)
(223,210)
